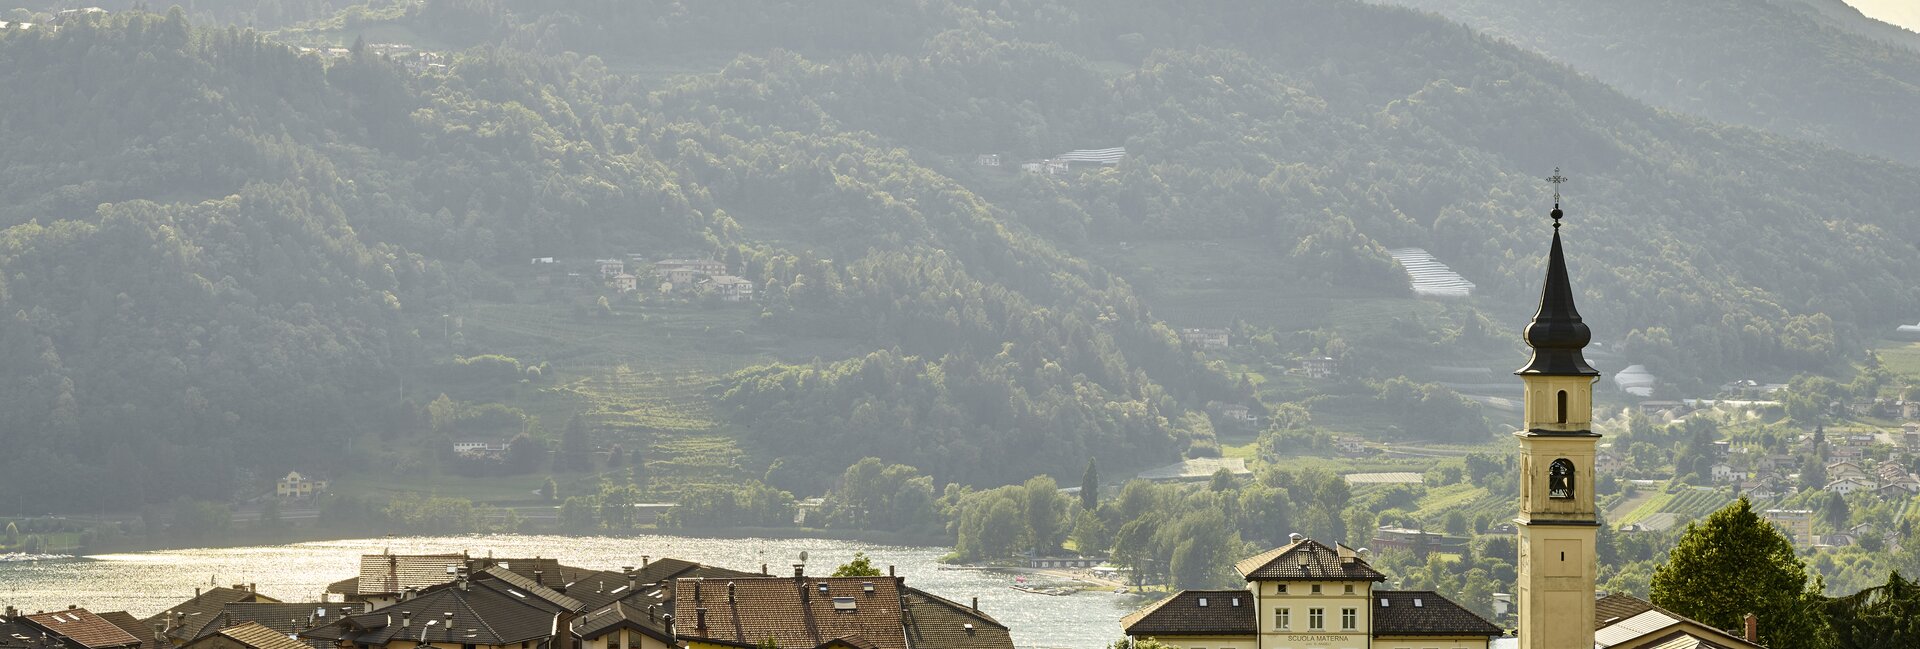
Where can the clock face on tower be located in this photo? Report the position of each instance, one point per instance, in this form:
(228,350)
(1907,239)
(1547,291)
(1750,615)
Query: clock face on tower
(1560,479)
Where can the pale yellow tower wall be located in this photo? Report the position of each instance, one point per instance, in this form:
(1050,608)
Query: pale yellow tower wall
(1542,403)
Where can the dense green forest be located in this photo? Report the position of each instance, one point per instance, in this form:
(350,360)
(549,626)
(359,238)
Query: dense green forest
(223,257)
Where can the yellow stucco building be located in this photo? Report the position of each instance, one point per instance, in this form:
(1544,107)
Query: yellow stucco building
(1307,595)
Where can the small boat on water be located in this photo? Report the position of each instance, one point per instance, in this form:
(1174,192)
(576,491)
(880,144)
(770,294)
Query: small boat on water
(1056,592)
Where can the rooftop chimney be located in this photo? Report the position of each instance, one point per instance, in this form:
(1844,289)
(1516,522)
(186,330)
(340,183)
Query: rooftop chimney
(406,619)
(763,568)
(890,571)
(449,618)
(976,602)
(730,592)
(1294,537)
(1753,628)
(539,577)
(696,591)
(196,593)
(799,570)
(645,560)
(700,619)
(632,577)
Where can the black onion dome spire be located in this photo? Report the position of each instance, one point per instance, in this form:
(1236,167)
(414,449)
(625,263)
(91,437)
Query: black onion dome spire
(1557,334)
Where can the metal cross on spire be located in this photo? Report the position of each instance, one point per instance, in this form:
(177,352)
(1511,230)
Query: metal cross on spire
(1556,179)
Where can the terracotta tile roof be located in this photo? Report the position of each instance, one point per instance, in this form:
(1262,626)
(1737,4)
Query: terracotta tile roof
(1306,560)
(934,621)
(1183,614)
(1425,613)
(1616,607)
(390,574)
(796,612)
(83,628)
(255,635)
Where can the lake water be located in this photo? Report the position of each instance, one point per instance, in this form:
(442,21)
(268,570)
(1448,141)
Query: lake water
(145,583)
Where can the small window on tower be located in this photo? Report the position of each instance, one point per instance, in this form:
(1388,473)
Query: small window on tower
(1563,406)
(1560,479)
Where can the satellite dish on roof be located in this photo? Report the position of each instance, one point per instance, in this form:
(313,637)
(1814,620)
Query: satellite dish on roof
(803,556)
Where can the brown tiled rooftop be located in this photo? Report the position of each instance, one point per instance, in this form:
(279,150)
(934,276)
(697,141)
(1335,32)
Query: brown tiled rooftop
(1308,560)
(1425,613)
(83,628)
(1194,612)
(794,611)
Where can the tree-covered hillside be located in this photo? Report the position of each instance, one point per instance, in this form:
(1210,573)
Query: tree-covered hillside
(225,256)
(1796,68)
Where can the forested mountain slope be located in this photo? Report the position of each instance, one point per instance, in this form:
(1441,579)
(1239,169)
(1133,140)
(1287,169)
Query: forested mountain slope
(224,256)
(1791,68)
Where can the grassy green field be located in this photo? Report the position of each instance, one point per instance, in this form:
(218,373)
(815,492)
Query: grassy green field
(1900,356)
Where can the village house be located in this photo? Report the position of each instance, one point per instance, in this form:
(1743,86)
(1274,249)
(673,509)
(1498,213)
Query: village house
(250,635)
(610,267)
(1847,469)
(1723,472)
(73,628)
(295,485)
(1627,622)
(1048,167)
(1350,445)
(285,618)
(1849,485)
(176,624)
(494,609)
(824,612)
(624,283)
(479,447)
(1306,594)
(987,159)
(732,289)
(1321,367)
(385,578)
(1797,524)
(1205,338)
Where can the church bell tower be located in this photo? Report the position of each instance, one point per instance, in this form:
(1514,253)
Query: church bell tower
(1558,523)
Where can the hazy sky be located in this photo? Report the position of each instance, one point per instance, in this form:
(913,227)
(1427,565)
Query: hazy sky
(1905,13)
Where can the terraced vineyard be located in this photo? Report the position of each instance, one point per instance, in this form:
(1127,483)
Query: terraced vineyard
(644,377)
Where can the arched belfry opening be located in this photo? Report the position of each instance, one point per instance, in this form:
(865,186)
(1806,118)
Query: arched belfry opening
(1563,407)
(1560,478)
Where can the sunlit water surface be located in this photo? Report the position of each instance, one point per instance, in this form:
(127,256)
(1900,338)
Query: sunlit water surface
(144,583)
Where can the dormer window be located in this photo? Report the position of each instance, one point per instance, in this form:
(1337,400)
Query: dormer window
(1560,479)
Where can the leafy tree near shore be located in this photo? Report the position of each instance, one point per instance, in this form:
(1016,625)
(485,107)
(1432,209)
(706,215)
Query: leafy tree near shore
(1734,563)
(860,566)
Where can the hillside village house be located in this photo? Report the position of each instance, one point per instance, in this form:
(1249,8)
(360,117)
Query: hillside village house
(1306,594)
(624,283)
(732,289)
(295,485)
(1323,367)
(611,267)
(1205,338)
(681,273)
(479,447)
(1797,524)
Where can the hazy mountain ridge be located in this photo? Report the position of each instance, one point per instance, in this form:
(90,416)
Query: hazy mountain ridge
(837,174)
(1799,69)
